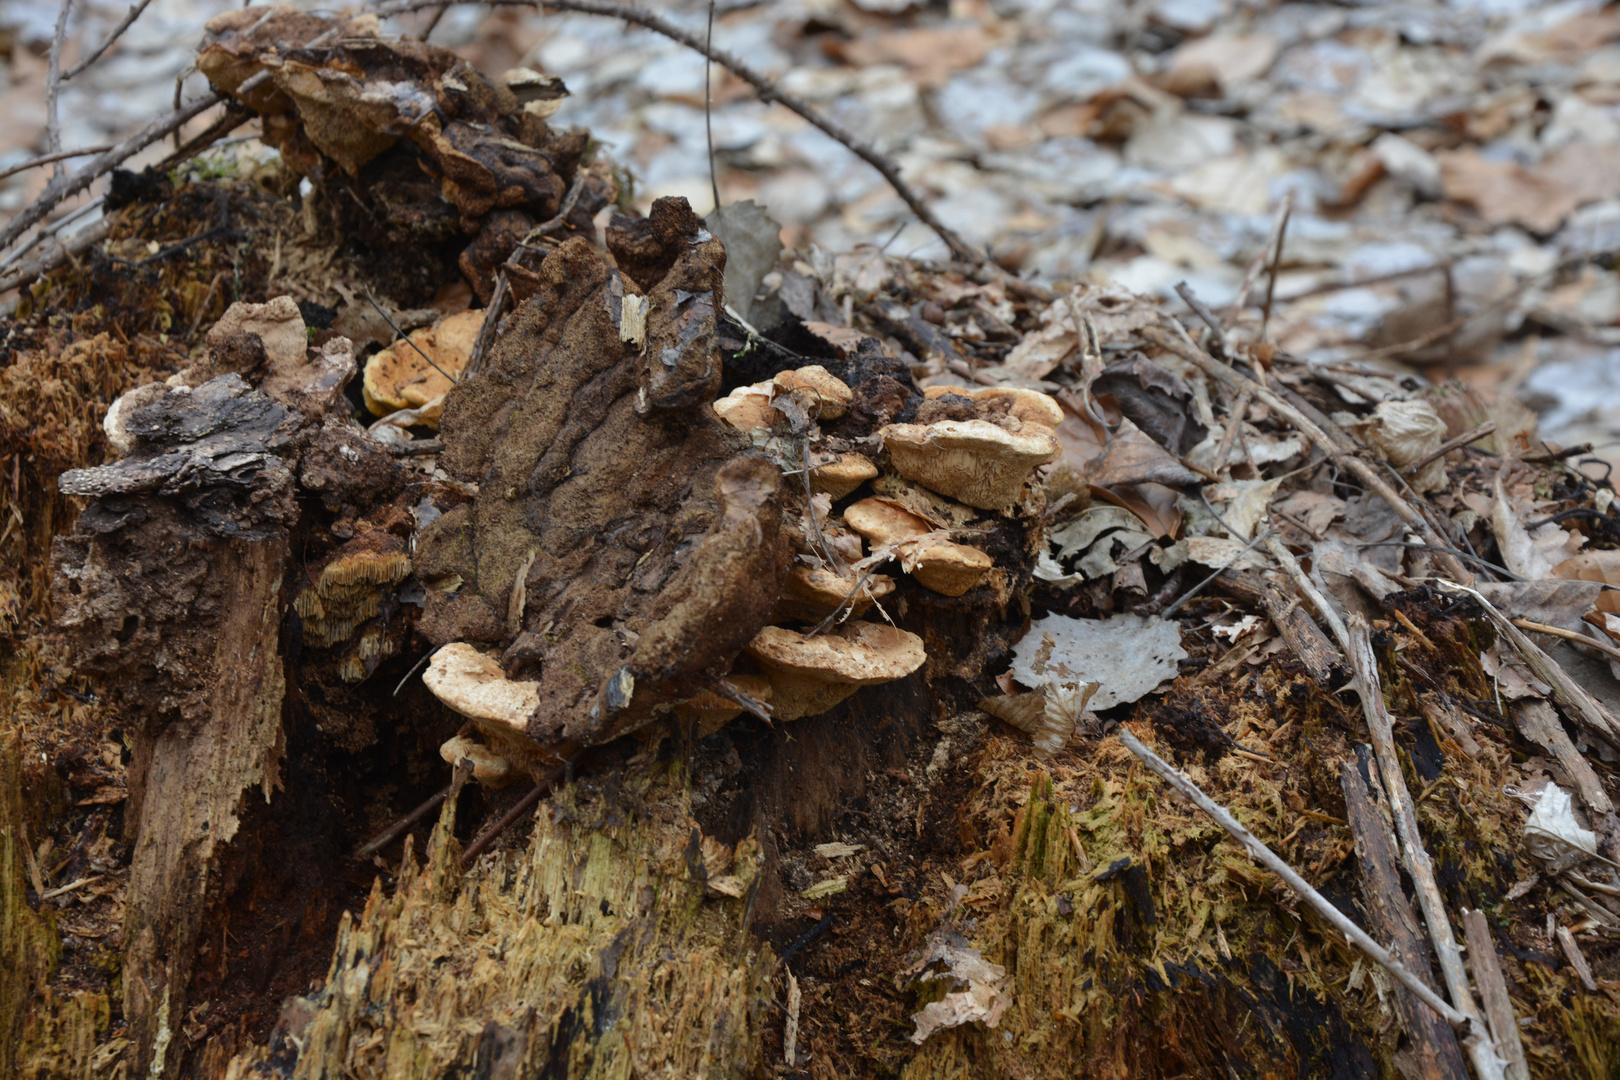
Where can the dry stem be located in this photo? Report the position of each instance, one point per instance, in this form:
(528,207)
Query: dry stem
(130,16)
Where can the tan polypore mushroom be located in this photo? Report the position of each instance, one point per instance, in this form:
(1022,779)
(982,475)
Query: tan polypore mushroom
(944,566)
(938,564)
(1028,406)
(811,675)
(829,393)
(475,686)
(708,711)
(842,476)
(400,377)
(347,595)
(810,594)
(488,766)
(972,461)
(748,408)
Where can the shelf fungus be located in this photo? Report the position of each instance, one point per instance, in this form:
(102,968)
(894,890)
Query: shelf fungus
(937,563)
(416,373)
(710,710)
(473,684)
(1024,405)
(811,593)
(809,675)
(975,462)
(842,476)
(827,396)
(343,602)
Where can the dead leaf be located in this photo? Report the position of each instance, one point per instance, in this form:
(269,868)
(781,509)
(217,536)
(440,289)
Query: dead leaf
(1128,655)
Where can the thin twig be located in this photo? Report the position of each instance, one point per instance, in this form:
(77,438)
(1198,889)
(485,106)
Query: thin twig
(1457,443)
(1320,904)
(53,85)
(487,837)
(52,894)
(433,22)
(46,159)
(708,105)
(1261,257)
(849,599)
(54,258)
(765,87)
(1201,309)
(392,325)
(1567,635)
(1276,261)
(1453,552)
(1312,593)
(130,16)
(1202,585)
(397,829)
(486,331)
(1183,346)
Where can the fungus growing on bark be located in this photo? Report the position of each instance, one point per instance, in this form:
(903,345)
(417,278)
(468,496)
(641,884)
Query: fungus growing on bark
(809,675)
(748,408)
(973,461)
(475,686)
(708,711)
(488,766)
(828,395)
(1025,405)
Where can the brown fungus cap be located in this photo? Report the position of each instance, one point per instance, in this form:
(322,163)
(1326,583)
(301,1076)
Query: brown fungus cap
(748,408)
(475,686)
(938,564)
(945,567)
(400,377)
(709,711)
(811,675)
(972,461)
(489,767)
(810,594)
(828,393)
(842,476)
(1029,406)
(882,522)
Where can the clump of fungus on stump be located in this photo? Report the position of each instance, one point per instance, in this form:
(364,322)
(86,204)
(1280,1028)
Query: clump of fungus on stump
(973,461)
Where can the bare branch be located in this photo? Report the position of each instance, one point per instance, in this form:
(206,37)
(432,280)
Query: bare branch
(767,90)
(53,84)
(67,186)
(117,32)
(34,163)
(58,255)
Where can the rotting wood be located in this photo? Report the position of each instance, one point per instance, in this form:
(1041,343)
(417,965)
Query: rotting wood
(1320,904)
(1391,918)
(1493,994)
(1577,959)
(1415,856)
